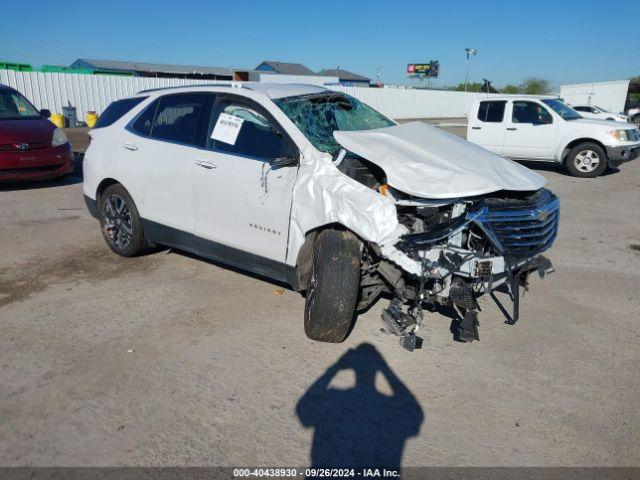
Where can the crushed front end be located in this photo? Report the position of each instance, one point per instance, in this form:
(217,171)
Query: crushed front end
(459,250)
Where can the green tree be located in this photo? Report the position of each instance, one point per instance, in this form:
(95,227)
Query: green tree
(472,87)
(511,89)
(535,86)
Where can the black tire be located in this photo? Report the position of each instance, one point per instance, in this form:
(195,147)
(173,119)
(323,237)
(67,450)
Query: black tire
(120,222)
(575,160)
(332,295)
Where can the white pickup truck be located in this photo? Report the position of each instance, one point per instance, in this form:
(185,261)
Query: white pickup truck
(546,129)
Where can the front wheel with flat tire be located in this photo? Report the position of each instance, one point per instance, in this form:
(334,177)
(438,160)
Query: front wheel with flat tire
(120,222)
(587,160)
(332,294)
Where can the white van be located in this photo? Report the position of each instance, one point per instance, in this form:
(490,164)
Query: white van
(526,128)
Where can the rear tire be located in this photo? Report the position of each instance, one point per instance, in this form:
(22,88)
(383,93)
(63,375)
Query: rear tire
(332,294)
(120,222)
(587,160)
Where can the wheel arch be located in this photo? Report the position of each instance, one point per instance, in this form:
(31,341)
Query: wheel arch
(569,146)
(104,184)
(304,257)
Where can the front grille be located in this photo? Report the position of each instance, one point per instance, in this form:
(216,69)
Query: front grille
(20,171)
(521,227)
(23,147)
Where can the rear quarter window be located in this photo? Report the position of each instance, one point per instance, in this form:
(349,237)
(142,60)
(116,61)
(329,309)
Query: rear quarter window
(116,110)
(143,123)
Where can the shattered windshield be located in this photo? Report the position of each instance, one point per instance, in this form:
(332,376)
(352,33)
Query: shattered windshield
(319,115)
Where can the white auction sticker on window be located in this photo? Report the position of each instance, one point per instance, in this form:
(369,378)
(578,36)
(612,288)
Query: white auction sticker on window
(227,128)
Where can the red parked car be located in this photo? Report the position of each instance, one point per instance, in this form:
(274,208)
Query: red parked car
(31,147)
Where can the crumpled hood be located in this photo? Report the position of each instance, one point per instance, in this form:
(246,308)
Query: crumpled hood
(427,162)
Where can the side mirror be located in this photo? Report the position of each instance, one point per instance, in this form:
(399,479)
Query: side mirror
(45,113)
(284,162)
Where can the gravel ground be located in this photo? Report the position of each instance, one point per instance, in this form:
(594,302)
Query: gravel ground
(171,360)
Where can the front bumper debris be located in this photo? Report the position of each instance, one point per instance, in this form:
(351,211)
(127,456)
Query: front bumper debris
(404,319)
(442,267)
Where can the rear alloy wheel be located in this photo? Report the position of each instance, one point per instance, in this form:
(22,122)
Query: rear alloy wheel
(120,222)
(587,160)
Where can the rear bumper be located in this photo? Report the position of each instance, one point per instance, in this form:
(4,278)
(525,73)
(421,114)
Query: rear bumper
(39,164)
(618,155)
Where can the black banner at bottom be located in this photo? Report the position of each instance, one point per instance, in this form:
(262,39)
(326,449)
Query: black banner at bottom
(407,473)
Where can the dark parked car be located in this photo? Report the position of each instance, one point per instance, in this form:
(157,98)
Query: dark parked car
(31,147)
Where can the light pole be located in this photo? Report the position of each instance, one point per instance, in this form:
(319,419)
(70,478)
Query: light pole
(470,51)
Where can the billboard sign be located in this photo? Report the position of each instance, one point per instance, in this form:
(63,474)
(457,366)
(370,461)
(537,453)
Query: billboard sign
(431,69)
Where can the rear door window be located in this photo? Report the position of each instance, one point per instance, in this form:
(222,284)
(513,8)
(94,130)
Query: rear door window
(492,111)
(116,110)
(178,116)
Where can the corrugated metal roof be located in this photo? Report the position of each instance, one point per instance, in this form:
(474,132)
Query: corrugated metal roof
(155,67)
(344,75)
(287,68)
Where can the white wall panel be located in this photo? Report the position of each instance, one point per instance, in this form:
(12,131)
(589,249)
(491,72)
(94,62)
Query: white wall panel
(85,92)
(95,92)
(411,103)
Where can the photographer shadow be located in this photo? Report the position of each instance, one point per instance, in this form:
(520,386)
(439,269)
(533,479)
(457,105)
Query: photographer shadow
(359,427)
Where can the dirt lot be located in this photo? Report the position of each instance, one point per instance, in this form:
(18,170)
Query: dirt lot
(170,360)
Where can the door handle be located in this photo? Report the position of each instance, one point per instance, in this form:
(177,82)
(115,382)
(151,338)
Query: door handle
(205,164)
(511,128)
(476,128)
(130,146)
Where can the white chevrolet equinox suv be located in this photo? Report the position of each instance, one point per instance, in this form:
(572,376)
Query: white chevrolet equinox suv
(314,188)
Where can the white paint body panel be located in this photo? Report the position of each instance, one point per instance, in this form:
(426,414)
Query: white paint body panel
(527,140)
(243,203)
(159,175)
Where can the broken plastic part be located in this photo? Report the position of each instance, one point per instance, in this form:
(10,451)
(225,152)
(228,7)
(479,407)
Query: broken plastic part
(411,342)
(341,154)
(402,324)
(468,327)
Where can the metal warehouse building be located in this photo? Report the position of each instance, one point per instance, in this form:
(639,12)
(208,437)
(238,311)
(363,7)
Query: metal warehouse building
(156,70)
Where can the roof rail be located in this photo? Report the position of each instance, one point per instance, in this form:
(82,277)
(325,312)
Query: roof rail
(229,84)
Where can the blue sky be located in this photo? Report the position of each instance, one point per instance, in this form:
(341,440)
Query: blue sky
(564,41)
